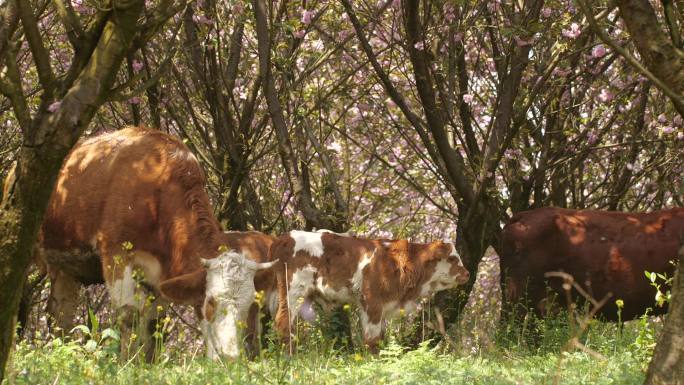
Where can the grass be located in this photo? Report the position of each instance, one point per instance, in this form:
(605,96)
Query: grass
(513,360)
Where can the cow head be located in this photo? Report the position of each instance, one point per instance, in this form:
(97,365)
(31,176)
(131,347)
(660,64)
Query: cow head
(224,288)
(443,268)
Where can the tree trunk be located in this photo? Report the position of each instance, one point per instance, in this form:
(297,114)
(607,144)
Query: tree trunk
(658,53)
(47,140)
(667,363)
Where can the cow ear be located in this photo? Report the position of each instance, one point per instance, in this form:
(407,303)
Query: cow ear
(187,288)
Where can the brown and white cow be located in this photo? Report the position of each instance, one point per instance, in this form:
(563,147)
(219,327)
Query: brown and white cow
(130,208)
(605,251)
(255,246)
(381,277)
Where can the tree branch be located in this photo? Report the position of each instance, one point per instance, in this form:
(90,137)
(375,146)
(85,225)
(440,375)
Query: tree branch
(71,22)
(665,63)
(40,55)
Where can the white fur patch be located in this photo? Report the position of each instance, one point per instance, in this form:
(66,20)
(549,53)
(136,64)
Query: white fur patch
(183,154)
(330,293)
(230,283)
(150,266)
(370,330)
(301,284)
(345,234)
(272,302)
(357,278)
(439,280)
(309,242)
(122,291)
(454,253)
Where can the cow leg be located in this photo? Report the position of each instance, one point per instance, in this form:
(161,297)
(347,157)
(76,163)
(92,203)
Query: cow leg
(371,323)
(129,299)
(153,328)
(290,296)
(253,331)
(63,301)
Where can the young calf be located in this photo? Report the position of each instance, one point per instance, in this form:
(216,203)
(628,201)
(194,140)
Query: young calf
(381,276)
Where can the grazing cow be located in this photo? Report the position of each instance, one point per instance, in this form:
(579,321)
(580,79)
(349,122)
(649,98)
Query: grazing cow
(255,246)
(605,251)
(382,277)
(130,209)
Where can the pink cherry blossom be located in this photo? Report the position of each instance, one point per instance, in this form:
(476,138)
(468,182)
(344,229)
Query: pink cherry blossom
(299,34)
(54,106)
(592,138)
(680,135)
(677,121)
(79,6)
(561,72)
(307,16)
(335,146)
(238,8)
(134,100)
(468,98)
(546,12)
(667,129)
(202,19)
(137,65)
(662,118)
(419,45)
(605,95)
(573,32)
(598,51)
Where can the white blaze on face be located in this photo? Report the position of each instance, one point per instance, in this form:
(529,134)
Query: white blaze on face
(440,279)
(309,242)
(229,294)
(370,330)
(454,253)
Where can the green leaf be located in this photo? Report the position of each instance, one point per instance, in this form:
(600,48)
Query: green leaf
(84,329)
(93,321)
(91,346)
(110,333)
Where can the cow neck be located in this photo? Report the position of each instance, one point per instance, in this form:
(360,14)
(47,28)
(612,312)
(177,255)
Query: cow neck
(195,232)
(404,256)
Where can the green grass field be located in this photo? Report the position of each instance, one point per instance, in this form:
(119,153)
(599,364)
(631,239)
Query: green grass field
(625,355)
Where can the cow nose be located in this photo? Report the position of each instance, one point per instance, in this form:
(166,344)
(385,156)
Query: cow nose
(465,277)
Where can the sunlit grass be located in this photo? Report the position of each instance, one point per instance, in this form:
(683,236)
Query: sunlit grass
(512,361)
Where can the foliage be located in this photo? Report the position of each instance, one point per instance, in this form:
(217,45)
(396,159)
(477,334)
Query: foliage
(663,284)
(73,363)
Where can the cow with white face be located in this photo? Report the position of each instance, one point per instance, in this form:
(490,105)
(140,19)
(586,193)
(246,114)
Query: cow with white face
(382,277)
(130,210)
(228,295)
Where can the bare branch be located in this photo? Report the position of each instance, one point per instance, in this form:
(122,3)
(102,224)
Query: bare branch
(40,54)
(71,22)
(644,48)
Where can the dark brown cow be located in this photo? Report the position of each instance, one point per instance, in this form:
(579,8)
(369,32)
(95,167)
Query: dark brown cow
(606,251)
(129,208)
(381,277)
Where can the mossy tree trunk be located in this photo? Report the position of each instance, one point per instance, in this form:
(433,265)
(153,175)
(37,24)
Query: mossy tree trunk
(667,364)
(662,54)
(49,136)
